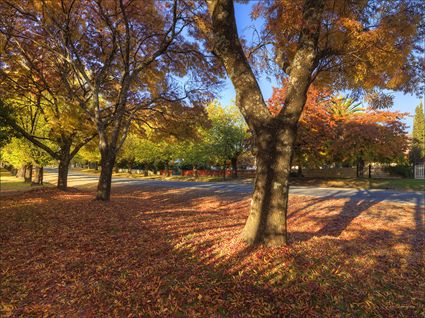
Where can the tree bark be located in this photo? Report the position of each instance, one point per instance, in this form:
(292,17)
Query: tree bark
(63,173)
(28,174)
(274,135)
(360,168)
(167,168)
(38,176)
(107,165)
(267,218)
(22,171)
(234,167)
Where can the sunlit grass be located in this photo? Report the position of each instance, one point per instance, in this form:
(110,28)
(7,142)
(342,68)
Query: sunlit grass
(10,183)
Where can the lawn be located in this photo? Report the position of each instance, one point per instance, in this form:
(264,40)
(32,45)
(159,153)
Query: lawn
(176,253)
(9,183)
(391,184)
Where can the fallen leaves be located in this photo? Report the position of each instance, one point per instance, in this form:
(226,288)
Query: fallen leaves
(176,253)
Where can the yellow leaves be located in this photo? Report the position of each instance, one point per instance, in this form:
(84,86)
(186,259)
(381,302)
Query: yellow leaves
(6,310)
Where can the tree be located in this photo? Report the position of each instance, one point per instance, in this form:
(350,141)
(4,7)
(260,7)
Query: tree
(418,134)
(226,137)
(345,44)
(19,152)
(119,60)
(343,107)
(331,130)
(34,102)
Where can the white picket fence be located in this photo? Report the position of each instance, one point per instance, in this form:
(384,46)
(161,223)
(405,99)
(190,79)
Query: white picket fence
(420,171)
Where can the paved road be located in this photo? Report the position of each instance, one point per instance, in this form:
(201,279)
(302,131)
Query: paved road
(76,179)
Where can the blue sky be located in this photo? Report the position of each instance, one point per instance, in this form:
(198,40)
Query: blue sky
(402,102)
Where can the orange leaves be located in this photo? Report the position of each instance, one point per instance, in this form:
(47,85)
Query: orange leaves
(363,44)
(336,129)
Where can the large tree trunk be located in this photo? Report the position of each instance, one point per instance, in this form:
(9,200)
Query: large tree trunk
(267,218)
(275,135)
(104,185)
(63,173)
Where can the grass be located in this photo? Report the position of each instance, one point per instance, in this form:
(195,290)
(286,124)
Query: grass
(392,184)
(10,183)
(176,253)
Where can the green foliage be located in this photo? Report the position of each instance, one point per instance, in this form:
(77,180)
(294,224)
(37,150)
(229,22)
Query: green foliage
(221,140)
(400,171)
(20,151)
(226,138)
(418,142)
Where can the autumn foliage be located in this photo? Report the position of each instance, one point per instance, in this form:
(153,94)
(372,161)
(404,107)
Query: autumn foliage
(330,130)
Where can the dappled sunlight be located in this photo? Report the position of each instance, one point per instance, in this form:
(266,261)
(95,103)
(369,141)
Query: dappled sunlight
(166,253)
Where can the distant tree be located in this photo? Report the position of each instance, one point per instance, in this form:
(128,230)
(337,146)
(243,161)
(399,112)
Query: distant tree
(56,128)
(27,159)
(226,137)
(336,130)
(418,135)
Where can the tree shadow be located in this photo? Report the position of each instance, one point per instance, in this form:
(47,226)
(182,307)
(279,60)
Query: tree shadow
(135,256)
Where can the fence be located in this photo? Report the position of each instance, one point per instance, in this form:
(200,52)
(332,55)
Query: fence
(372,172)
(420,171)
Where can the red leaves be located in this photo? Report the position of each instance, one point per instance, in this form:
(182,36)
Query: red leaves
(333,130)
(171,253)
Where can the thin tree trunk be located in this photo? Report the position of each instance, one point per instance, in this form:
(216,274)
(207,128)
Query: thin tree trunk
(129,167)
(41,175)
(224,170)
(38,176)
(22,171)
(300,171)
(167,168)
(36,173)
(234,167)
(105,178)
(63,173)
(28,174)
(360,168)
